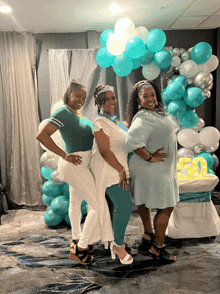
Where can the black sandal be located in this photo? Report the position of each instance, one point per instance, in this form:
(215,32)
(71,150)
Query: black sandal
(89,250)
(80,255)
(146,244)
(164,255)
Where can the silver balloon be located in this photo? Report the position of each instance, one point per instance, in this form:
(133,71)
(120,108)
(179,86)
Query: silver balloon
(216,161)
(185,56)
(55,177)
(209,149)
(210,87)
(176,51)
(185,153)
(200,124)
(207,93)
(203,80)
(182,50)
(49,160)
(176,69)
(197,148)
(190,81)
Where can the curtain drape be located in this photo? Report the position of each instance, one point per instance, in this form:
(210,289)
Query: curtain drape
(59,60)
(19,149)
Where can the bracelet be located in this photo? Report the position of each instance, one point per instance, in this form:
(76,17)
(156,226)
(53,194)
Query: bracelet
(121,172)
(66,156)
(150,157)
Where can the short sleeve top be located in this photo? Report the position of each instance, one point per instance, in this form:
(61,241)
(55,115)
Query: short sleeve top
(75,131)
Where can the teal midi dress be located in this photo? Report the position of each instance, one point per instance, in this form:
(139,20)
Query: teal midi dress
(153,184)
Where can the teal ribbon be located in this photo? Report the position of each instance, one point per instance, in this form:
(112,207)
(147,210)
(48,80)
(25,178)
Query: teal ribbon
(120,124)
(195,197)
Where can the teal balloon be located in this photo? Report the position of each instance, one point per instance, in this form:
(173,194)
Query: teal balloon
(164,96)
(176,108)
(163,58)
(165,106)
(156,39)
(104,58)
(47,199)
(175,90)
(122,65)
(84,209)
(147,58)
(201,52)
(182,80)
(60,204)
(104,36)
(65,190)
(166,69)
(209,159)
(136,63)
(51,218)
(83,203)
(50,189)
(188,108)
(188,119)
(135,47)
(210,171)
(46,172)
(67,219)
(194,97)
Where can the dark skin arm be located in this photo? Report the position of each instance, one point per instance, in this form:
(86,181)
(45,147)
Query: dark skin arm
(103,143)
(44,136)
(157,156)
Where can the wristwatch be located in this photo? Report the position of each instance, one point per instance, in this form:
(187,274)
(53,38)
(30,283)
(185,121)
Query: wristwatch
(150,157)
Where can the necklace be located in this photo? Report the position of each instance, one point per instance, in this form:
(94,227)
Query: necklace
(72,110)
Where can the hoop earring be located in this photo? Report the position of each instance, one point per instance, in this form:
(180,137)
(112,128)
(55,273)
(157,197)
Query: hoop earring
(139,106)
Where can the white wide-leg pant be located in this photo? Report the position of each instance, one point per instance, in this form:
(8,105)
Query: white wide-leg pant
(82,186)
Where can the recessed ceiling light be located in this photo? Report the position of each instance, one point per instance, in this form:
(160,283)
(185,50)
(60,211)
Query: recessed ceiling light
(5,9)
(115,8)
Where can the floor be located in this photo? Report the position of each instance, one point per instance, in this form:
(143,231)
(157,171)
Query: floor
(35,259)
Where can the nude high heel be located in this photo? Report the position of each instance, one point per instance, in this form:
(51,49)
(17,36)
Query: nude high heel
(113,255)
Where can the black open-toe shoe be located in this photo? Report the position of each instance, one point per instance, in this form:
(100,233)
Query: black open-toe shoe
(164,255)
(89,250)
(146,244)
(80,256)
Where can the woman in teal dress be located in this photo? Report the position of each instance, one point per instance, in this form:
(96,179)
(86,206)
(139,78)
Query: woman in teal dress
(152,139)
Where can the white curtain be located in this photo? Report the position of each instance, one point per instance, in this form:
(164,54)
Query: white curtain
(59,73)
(19,150)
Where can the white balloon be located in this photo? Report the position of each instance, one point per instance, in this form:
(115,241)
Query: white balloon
(188,138)
(209,136)
(150,71)
(188,69)
(129,35)
(212,63)
(175,61)
(142,33)
(116,43)
(215,146)
(201,67)
(56,106)
(124,24)
(190,49)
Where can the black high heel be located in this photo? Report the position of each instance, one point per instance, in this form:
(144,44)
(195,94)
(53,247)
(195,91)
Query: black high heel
(164,255)
(146,244)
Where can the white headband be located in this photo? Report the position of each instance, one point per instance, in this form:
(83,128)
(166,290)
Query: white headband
(105,89)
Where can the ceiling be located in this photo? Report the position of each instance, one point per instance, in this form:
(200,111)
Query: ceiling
(65,16)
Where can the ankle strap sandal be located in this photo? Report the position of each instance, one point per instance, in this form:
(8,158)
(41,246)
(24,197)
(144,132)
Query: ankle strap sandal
(164,255)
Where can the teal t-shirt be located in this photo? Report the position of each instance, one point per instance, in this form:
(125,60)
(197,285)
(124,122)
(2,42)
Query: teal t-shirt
(75,131)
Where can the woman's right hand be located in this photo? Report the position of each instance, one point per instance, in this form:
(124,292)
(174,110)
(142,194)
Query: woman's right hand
(123,181)
(157,156)
(75,159)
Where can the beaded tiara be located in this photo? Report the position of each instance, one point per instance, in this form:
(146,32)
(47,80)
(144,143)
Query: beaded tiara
(105,89)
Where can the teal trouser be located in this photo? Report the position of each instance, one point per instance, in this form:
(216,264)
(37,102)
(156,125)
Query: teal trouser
(122,204)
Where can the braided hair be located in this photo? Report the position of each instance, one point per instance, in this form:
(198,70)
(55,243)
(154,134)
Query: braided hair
(99,98)
(133,102)
(73,87)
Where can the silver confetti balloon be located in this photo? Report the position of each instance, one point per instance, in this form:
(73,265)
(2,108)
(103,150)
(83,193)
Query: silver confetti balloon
(176,69)
(190,81)
(182,50)
(197,148)
(200,124)
(49,160)
(207,93)
(210,87)
(216,161)
(176,51)
(203,80)
(185,153)
(55,177)
(185,56)
(209,149)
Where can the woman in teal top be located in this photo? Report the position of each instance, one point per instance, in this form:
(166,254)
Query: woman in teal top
(76,132)
(152,139)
